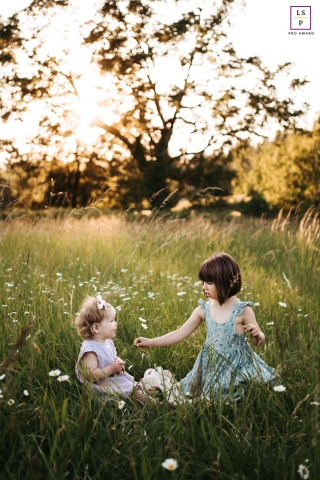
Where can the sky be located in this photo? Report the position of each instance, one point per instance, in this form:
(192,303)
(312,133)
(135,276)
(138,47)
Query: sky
(262,28)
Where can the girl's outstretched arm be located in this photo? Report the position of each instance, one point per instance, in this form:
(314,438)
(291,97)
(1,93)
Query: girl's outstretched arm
(173,337)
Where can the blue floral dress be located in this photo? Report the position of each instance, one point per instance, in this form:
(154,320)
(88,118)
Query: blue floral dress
(226,362)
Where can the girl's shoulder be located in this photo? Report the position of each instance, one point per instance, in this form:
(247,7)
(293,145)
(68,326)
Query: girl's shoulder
(96,346)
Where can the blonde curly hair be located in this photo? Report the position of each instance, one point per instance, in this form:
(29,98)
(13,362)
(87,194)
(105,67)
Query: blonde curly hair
(89,314)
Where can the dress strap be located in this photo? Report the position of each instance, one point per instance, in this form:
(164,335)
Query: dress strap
(241,306)
(202,304)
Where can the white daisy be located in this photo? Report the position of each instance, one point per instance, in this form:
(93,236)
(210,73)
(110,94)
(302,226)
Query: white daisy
(11,402)
(121,404)
(282,304)
(25,393)
(170,464)
(63,378)
(303,471)
(279,388)
(54,373)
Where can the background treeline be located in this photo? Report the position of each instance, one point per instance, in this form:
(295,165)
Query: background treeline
(129,103)
(254,179)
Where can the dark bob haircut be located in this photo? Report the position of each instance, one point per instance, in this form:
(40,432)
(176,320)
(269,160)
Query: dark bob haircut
(223,271)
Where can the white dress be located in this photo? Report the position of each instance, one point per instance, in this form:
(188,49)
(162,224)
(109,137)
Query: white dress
(122,384)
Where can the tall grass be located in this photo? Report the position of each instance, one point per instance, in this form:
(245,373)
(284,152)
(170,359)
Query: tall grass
(148,269)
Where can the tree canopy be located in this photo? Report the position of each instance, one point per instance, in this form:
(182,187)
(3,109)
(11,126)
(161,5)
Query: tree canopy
(168,96)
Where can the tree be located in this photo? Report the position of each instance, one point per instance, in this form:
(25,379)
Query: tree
(284,172)
(155,132)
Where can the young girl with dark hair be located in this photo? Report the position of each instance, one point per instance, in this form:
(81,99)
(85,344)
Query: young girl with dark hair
(226,362)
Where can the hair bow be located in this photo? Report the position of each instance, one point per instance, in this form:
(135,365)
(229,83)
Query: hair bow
(101,302)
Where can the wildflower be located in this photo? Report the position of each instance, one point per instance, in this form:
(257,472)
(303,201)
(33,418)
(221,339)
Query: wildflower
(279,388)
(59,274)
(282,304)
(315,403)
(54,373)
(270,323)
(118,308)
(2,376)
(121,404)
(143,325)
(170,464)
(25,393)
(63,378)
(303,471)
(181,293)
(11,402)
(142,320)
(126,299)
(256,304)
(151,294)
(123,270)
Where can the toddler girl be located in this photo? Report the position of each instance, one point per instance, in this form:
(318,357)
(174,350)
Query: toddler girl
(226,362)
(98,363)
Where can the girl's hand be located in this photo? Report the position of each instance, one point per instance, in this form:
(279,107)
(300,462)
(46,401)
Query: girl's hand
(142,342)
(117,366)
(256,335)
(118,359)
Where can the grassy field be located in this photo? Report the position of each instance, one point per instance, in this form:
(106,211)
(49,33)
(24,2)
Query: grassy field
(148,268)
